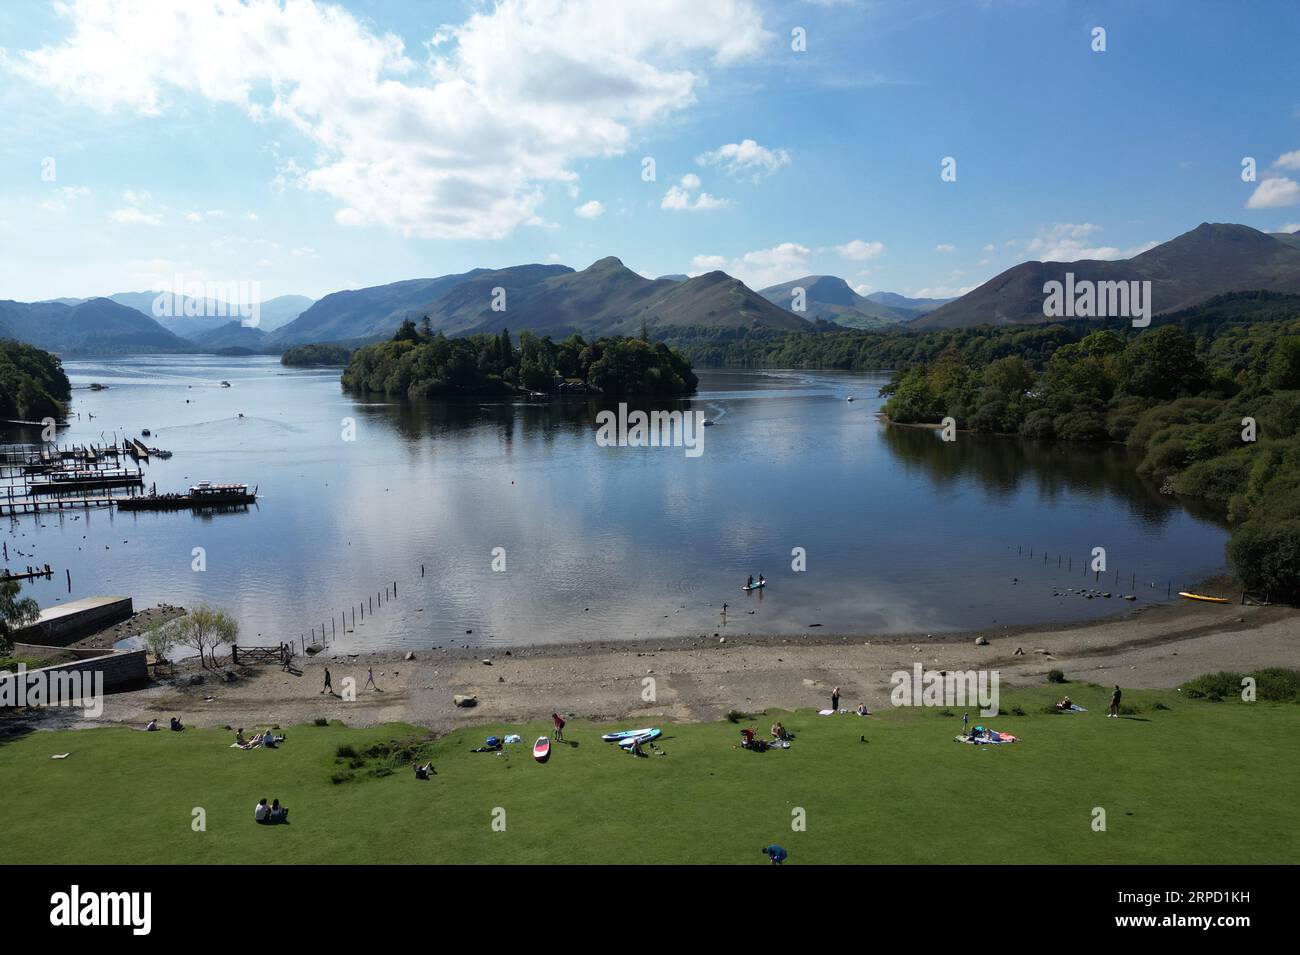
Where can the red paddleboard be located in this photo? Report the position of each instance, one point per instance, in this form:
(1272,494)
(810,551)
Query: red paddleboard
(542,749)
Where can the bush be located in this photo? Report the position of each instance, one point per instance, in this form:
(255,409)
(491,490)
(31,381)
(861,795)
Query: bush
(346,751)
(1056,676)
(1266,556)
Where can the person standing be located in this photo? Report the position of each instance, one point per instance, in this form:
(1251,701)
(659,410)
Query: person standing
(558,720)
(835,700)
(1114,703)
(329,685)
(965,718)
(370,679)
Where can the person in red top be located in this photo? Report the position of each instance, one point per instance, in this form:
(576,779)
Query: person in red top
(558,720)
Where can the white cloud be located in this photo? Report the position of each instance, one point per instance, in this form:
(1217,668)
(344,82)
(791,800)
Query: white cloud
(194,217)
(678,198)
(1274,193)
(590,210)
(1290,227)
(860,251)
(133,198)
(63,197)
(864,289)
(251,216)
(989,248)
(1289,160)
(762,267)
(458,147)
(1069,242)
(945,247)
(746,158)
(133,216)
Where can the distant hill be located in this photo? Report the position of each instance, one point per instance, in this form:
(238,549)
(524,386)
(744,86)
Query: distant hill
(233,334)
(1290,238)
(190,317)
(367,313)
(96,326)
(603,299)
(829,298)
(1212,259)
(911,307)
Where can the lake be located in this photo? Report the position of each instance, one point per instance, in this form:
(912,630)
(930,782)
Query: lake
(901,531)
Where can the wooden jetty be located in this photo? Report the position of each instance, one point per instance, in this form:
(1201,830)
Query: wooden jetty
(137,449)
(32,573)
(61,481)
(15,506)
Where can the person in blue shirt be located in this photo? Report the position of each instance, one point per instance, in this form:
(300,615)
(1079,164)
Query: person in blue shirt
(775,853)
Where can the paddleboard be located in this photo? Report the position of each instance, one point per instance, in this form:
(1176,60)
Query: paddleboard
(1213,600)
(624,734)
(542,749)
(747,587)
(644,737)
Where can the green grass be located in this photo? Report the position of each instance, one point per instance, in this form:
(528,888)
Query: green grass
(1196,782)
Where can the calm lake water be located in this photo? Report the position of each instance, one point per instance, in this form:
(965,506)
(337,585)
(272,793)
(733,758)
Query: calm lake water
(902,532)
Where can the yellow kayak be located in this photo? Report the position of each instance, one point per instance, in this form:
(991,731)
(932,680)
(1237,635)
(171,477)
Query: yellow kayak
(1213,600)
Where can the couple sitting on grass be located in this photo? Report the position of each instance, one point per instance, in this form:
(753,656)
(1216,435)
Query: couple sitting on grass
(270,814)
(267,739)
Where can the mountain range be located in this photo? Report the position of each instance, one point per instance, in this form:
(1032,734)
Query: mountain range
(1212,259)
(607,298)
(829,298)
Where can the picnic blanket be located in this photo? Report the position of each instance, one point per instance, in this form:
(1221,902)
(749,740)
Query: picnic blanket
(994,738)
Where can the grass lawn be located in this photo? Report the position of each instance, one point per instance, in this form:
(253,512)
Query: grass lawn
(1199,782)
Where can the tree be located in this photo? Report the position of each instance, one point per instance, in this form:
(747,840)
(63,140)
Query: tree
(159,639)
(15,612)
(204,629)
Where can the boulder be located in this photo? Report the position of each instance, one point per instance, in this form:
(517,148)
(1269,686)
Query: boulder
(465,700)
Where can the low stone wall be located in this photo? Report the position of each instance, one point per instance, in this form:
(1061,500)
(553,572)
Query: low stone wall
(121,668)
(62,624)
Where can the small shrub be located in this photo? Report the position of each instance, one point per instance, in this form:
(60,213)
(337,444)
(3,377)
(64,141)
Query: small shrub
(947,712)
(1056,676)
(346,751)
(1017,710)
(320,721)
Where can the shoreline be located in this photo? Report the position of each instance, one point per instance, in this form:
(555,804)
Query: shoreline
(694,678)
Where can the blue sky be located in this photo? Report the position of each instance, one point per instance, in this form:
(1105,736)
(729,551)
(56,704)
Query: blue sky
(311,146)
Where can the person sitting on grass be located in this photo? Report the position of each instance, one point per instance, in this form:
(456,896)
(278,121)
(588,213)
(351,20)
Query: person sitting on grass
(775,853)
(422,772)
(862,710)
(746,738)
(779,731)
(278,813)
(1065,704)
(151,726)
(176,724)
(261,810)
(635,748)
(270,740)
